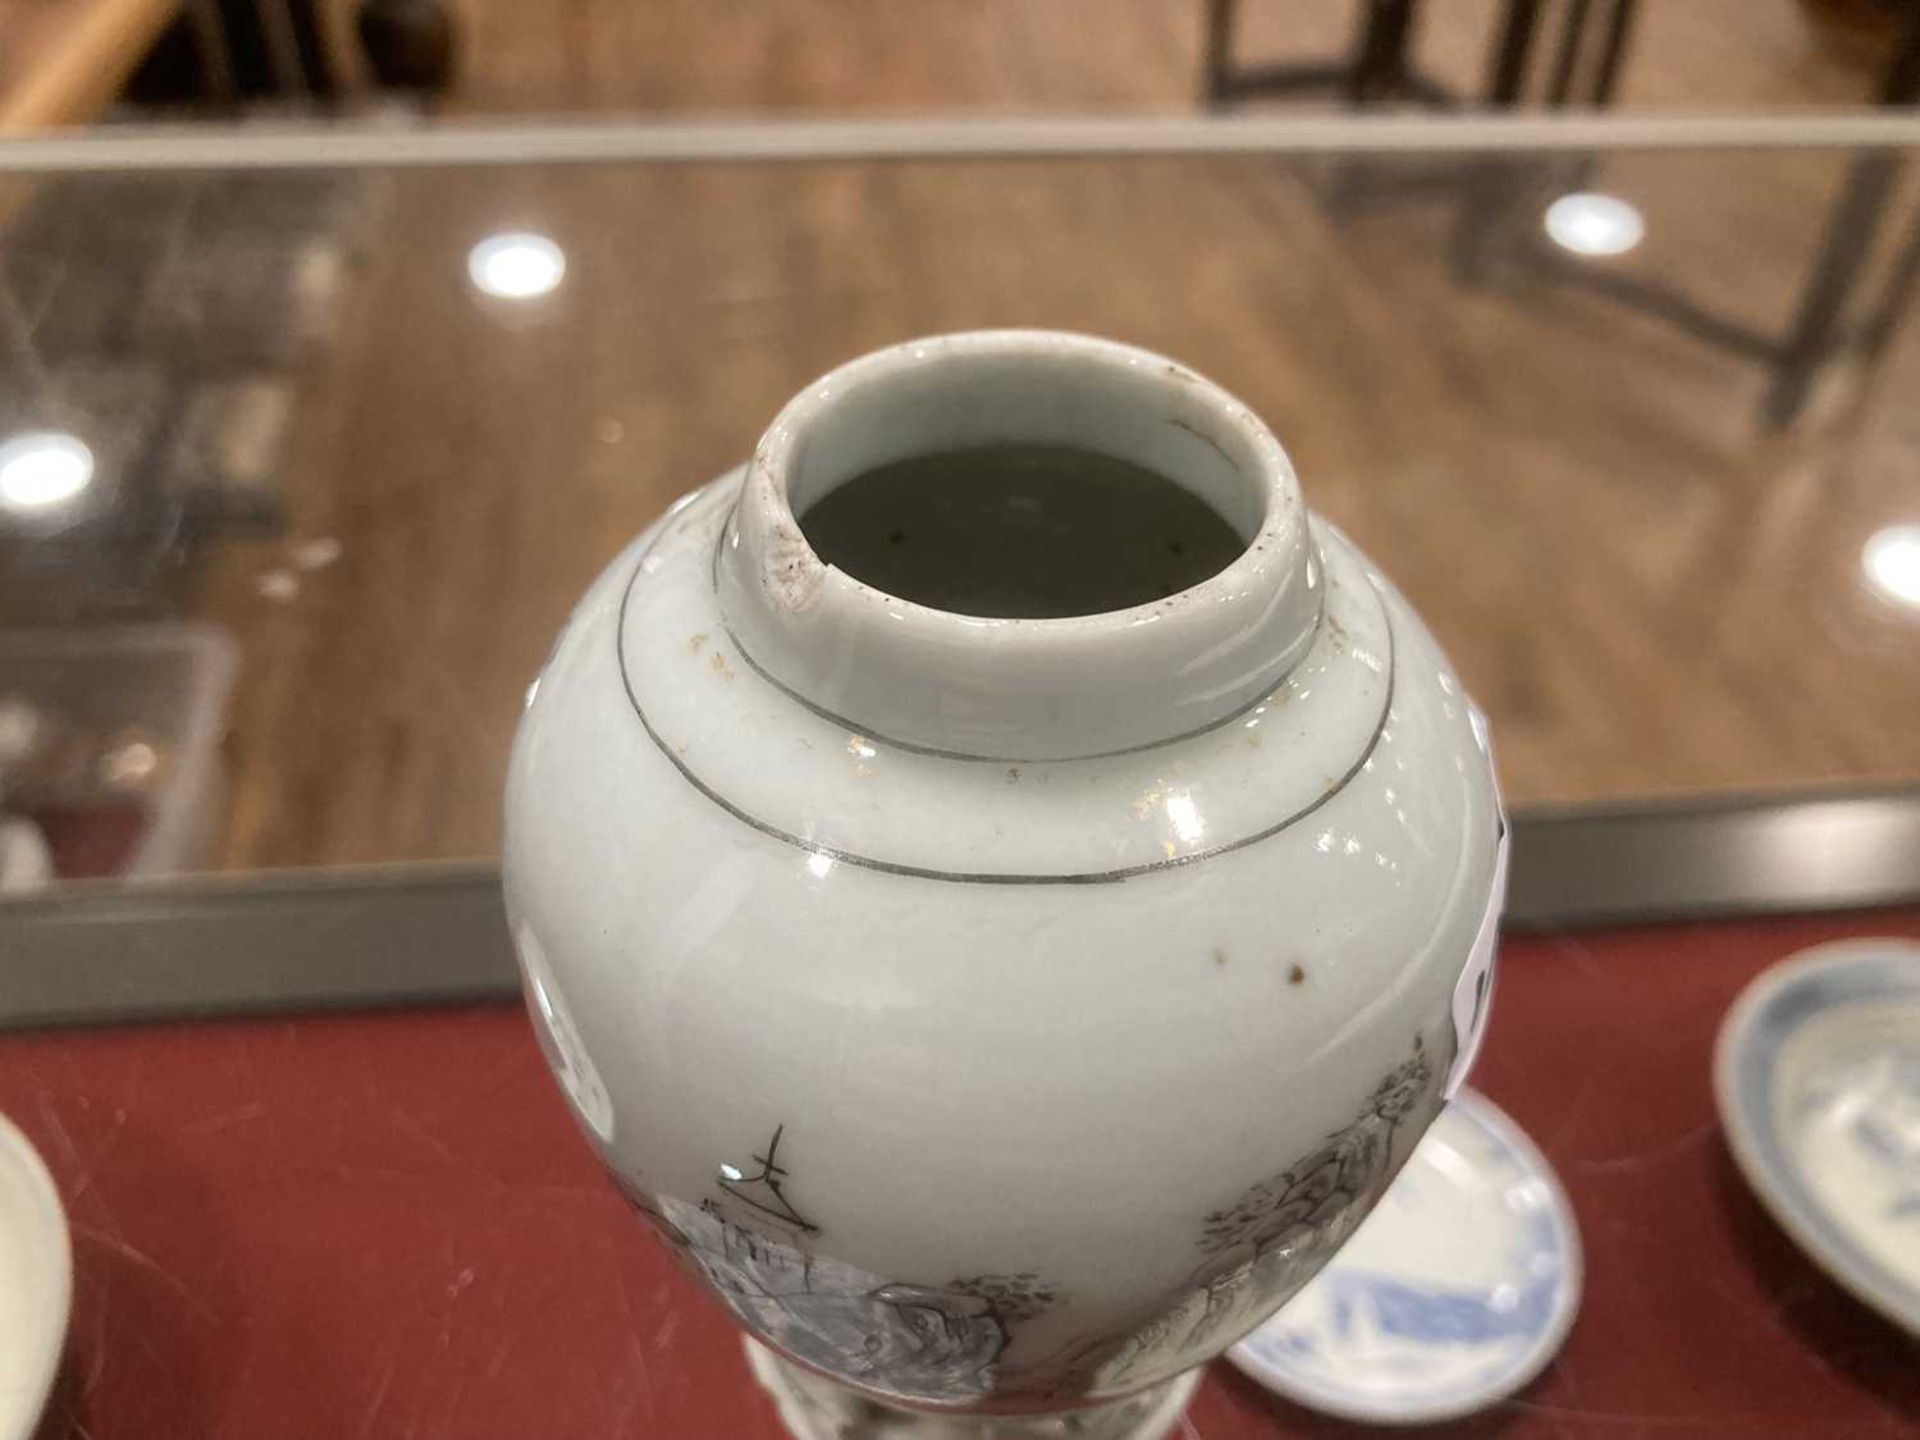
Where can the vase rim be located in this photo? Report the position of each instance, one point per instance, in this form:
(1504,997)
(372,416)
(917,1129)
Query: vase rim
(1019,687)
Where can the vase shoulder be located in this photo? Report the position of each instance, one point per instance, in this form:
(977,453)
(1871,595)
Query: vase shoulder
(846,793)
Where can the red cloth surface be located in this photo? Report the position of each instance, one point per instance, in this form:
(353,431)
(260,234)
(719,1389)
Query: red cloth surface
(387,1226)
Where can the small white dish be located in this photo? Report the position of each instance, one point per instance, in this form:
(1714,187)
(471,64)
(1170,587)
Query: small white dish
(1817,1076)
(36,1283)
(1452,1295)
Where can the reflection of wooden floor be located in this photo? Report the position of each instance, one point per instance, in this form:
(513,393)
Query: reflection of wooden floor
(911,56)
(1647,593)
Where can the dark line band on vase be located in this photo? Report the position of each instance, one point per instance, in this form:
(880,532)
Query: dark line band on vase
(909,747)
(967,877)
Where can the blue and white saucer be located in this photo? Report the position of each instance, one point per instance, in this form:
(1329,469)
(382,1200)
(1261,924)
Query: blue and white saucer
(1454,1293)
(1817,1074)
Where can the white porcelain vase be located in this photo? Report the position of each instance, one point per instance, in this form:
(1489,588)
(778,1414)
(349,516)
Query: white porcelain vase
(1000,1015)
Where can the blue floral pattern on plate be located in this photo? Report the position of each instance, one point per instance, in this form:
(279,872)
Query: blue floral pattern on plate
(1817,1077)
(1454,1294)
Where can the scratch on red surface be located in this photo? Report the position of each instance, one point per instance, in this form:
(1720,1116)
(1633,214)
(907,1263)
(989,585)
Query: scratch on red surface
(145,1261)
(97,1361)
(1573,950)
(91,1168)
(1613,1417)
(1653,1154)
(642,1373)
(239,1115)
(379,1399)
(498,1358)
(507,1071)
(50,1114)
(1571,1376)
(1556,1139)
(663,1337)
(407,1123)
(404,1121)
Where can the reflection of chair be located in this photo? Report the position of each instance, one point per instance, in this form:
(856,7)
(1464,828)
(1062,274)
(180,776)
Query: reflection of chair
(1587,57)
(1853,226)
(1588,47)
(298,50)
(1495,214)
(1378,68)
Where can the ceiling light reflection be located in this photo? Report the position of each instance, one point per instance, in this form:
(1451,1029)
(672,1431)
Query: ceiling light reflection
(1590,224)
(41,469)
(516,266)
(1892,562)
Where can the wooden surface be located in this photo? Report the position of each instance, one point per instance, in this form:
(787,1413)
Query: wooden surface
(918,55)
(1647,591)
(62,61)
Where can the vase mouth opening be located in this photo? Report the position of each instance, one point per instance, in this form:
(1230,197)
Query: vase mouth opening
(1023,475)
(1161,575)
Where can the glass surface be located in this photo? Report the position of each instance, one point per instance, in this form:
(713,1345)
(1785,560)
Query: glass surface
(301,471)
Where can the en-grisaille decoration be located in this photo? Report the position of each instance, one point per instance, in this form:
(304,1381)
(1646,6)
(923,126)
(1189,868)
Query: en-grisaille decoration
(1004,986)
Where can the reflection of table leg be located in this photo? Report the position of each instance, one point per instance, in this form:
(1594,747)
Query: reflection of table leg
(1560,87)
(1508,69)
(1851,231)
(1380,52)
(1852,227)
(210,45)
(1613,49)
(1878,330)
(283,47)
(1376,66)
(1214,61)
(410,44)
(16,342)
(1483,189)
(1603,76)
(1482,210)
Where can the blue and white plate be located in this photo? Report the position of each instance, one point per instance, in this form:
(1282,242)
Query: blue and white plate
(1817,1074)
(1454,1293)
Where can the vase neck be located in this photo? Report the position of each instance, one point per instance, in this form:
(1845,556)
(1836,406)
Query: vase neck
(1017,688)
